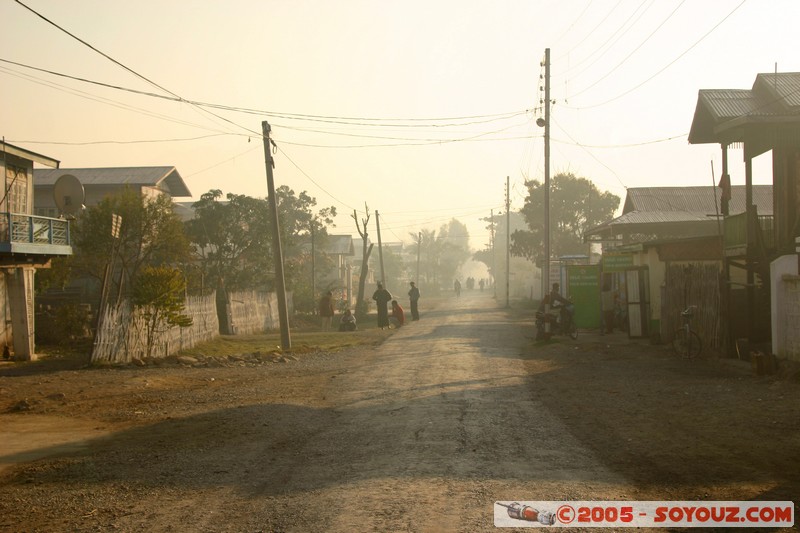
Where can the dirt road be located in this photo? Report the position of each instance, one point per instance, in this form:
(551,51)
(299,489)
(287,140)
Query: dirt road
(423,433)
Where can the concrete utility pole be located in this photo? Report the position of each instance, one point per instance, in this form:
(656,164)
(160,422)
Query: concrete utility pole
(546,266)
(380,249)
(280,281)
(508,245)
(419,248)
(494,259)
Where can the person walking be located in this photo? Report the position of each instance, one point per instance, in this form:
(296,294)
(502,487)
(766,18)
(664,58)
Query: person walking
(457,288)
(382,297)
(326,310)
(413,296)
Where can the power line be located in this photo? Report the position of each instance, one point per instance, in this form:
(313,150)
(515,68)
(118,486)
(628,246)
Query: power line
(608,73)
(610,38)
(408,122)
(668,64)
(125,67)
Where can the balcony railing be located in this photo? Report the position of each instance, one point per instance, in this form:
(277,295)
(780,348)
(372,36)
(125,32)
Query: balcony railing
(27,229)
(736,233)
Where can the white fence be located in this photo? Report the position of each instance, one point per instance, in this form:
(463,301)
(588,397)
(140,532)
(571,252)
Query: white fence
(254,312)
(123,335)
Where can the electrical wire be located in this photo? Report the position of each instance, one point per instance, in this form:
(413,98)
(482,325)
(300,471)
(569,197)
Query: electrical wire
(668,64)
(128,69)
(608,73)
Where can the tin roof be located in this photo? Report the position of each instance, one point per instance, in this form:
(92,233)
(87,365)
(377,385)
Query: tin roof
(774,98)
(165,178)
(690,211)
(703,201)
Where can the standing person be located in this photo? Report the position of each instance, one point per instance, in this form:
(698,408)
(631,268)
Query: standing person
(413,296)
(382,297)
(481,284)
(326,310)
(398,317)
(457,288)
(608,305)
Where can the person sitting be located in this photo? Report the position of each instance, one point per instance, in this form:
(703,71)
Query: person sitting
(398,317)
(347,322)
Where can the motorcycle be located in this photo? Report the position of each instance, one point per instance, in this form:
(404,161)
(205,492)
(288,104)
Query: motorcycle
(560,324)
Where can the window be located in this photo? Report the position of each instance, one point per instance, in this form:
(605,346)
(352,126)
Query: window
(16,193)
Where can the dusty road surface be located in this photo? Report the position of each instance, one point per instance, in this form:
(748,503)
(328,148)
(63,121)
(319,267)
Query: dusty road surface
(422,433)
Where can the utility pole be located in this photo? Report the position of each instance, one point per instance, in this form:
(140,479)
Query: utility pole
(508,245)
(546,265)
(380,248)
(313,264)
(419,249)
(494,260)
(280,281)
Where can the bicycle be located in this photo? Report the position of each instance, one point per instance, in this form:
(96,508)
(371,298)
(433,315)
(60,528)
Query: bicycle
(686,342)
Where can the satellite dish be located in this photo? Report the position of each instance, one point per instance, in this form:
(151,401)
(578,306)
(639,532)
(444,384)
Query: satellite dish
(69,195)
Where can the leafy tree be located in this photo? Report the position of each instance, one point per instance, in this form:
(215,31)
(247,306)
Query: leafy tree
(576,205)
(442,254)
(233,238)
(159,295)
(150,235)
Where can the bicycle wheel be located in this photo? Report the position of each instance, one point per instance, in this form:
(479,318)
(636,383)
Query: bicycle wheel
(687,343)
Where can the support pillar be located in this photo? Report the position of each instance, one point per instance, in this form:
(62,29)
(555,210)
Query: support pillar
(19,281)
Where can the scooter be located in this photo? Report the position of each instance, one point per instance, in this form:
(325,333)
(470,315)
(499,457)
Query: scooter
(561,324)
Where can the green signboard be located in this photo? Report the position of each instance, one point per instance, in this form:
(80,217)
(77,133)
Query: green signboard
(617,262)
(583,284)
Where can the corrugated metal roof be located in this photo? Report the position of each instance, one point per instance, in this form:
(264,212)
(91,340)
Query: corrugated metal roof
(695,200)
(773,96)
(167,178)
(785,87)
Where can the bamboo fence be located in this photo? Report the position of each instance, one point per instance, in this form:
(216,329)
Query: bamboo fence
(695,284)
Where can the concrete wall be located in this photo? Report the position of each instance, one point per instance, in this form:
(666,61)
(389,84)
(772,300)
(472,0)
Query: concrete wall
(785,302)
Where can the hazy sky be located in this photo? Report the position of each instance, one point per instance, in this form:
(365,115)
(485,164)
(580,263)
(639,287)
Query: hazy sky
(419,108)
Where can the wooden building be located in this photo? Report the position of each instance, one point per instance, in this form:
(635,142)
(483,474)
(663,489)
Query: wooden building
(27,242)
(759,120)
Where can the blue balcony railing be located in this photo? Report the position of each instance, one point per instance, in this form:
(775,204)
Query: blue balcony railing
(27,229)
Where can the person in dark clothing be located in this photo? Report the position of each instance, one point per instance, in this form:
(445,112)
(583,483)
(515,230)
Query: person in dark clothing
(413,296)
(382,297)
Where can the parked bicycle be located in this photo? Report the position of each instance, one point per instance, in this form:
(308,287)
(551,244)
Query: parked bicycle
(686,342)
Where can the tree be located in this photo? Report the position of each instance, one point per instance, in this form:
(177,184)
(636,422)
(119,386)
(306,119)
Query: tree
(159,296)
(576,205)
(233,238)
(150,235)
(361,303)
(442,254)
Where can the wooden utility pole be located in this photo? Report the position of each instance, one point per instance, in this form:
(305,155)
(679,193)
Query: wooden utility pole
(280,281)
(380,248)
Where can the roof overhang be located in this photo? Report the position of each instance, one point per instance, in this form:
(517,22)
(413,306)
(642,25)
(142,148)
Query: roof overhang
(31,156)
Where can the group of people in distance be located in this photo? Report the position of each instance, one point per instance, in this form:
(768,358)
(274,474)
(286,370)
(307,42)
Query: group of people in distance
(382,298)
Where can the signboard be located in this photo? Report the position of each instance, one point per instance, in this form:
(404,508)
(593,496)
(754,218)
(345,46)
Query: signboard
(583,282)
(617,262)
